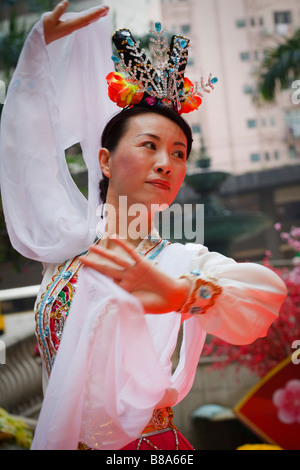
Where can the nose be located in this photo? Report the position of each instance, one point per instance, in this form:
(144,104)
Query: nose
(163,163)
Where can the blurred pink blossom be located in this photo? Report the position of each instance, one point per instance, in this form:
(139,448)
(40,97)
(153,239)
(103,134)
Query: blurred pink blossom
(287,400)
(277,226)
(265,353)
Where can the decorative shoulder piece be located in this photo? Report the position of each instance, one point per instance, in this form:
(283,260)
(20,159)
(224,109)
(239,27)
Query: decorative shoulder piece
(202,295)
(161,81)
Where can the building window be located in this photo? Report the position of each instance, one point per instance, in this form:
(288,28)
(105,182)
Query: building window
(240,23)
(267,156)
(244,56)
(282,17)
(261,21)
(251,123)
(255,157)
(276,155)
(293,153)
(252,21)
(186,29)
(248,89)
(292,123)
(196,129)
(283,20)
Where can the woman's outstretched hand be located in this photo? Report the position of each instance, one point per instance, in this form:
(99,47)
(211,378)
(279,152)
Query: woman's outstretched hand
(54,28)
(158,292)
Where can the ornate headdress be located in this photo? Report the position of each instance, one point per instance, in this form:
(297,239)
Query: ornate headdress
(161,81)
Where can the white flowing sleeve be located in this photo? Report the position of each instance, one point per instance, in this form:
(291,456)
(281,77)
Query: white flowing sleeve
(57,97)
(107,376)
(235,301)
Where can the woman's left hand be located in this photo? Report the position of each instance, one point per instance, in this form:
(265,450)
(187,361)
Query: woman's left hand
(158,292)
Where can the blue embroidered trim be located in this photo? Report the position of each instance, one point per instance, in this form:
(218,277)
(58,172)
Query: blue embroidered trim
(159,248)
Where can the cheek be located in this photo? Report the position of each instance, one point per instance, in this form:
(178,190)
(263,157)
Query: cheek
(126,169)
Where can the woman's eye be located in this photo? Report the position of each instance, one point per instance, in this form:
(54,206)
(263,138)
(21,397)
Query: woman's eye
(150,145)
(179,154)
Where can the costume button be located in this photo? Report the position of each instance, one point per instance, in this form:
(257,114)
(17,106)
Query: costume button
(67,274)
(204,293)
(195,310)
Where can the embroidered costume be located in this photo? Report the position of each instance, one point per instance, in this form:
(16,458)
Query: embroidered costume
(113,328)
(106,364)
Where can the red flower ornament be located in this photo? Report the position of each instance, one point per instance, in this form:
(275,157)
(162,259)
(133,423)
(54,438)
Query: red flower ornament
(123,92)
(191,101)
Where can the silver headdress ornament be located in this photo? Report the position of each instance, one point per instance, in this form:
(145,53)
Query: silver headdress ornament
(161,81)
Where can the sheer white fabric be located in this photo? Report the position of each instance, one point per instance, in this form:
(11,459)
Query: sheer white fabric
(57,97)
(114,362)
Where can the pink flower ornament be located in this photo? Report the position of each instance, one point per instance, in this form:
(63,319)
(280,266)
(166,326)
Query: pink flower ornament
(287,400)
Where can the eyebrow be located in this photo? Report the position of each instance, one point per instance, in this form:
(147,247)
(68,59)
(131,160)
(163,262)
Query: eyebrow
(158,138)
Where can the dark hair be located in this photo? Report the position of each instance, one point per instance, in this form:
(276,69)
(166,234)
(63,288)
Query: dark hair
(118,125)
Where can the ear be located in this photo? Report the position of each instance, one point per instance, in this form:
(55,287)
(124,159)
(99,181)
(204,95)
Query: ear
(104,160)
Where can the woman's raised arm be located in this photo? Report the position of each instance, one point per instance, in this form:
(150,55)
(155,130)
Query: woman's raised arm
(55,29)
(56,98)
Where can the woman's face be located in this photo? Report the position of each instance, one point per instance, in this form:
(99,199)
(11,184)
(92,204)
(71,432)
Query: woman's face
(149,164)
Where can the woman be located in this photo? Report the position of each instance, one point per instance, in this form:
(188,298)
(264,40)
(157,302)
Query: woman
(107,350)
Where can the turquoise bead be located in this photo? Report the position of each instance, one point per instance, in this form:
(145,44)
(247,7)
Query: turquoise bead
(158,26)
(204,293)
(67,274)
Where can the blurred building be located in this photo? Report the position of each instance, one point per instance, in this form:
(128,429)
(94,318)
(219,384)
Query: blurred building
(230,39)
(132,14)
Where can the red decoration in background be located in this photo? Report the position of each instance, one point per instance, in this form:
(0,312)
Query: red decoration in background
(272,408)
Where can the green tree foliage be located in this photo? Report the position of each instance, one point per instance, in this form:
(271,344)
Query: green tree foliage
(281,66)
